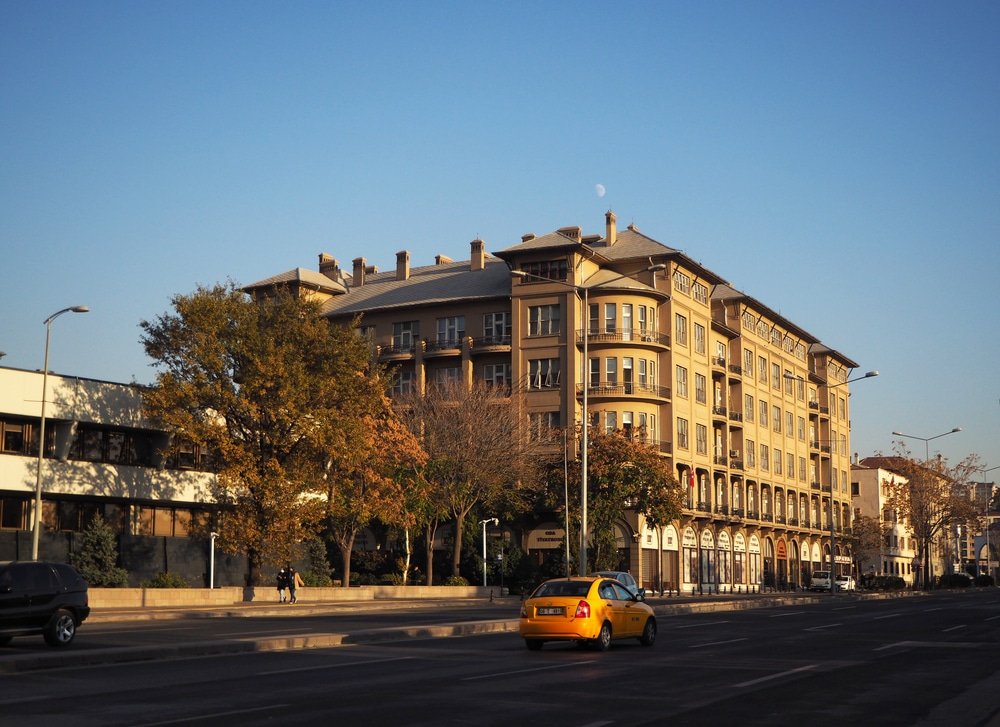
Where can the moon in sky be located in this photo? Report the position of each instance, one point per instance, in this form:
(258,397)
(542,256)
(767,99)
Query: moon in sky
(600,190)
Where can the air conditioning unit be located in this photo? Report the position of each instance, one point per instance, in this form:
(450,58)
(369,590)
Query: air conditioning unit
(734,453)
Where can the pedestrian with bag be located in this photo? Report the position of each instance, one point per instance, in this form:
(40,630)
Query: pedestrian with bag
(294,581)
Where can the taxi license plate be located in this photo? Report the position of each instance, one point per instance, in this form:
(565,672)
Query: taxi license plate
(550,611)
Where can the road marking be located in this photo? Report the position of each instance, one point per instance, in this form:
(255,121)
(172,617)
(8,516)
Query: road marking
(527,671)
(929,610)
(954,628)
(779,675)
(888,615)
(200,717)
(787,613)
(701,625)
(929,644)
(845,608)
(332,666)
(992,618)
(269,632)
(717,643)
(820,628)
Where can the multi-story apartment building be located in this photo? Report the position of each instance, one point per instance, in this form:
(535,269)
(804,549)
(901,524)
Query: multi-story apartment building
(871,487)
(751,410)
(102,457)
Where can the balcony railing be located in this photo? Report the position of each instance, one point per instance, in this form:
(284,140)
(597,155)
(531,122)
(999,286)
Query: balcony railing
(630,389)
(623,335)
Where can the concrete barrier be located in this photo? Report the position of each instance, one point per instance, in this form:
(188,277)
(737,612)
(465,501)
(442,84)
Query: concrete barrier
(208,597)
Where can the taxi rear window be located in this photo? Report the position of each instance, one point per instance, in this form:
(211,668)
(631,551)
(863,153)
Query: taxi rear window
(563,588)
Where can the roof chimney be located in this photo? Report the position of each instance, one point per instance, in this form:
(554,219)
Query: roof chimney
(611,228)
(402,265)
(442,260)
(478,254)
(527,236)
(329,266)
(573,232)
(359,272)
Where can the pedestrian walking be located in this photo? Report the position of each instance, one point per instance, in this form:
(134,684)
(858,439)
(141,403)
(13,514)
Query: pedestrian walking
(294,581)
(282,584)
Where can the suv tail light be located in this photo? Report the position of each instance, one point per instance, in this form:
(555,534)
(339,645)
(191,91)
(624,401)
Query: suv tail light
(582,610)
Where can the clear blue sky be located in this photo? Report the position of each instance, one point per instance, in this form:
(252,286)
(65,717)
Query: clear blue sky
(838,161)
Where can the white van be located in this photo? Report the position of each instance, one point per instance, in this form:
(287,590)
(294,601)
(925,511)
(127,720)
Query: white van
(820,581)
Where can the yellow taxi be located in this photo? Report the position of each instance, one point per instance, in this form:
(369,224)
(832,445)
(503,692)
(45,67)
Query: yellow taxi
(590,609)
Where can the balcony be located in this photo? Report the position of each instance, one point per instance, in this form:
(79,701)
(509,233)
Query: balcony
(396,351)
(622,335)
(491,344)
(616,390)
(443,347)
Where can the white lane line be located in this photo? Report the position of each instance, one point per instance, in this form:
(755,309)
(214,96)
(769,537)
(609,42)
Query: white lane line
(991,618)
(845,608)
(701,625)
(233,713)
(716,643)
(930,645)
(332,666)
(888,615)
(787,613)
(954,628)
(825,626)
(527,671)
(779,675)
(929,610)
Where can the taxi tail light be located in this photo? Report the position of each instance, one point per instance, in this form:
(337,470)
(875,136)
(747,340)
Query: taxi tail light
(582,610)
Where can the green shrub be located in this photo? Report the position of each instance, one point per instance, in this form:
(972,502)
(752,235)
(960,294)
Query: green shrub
(984,581)
(955,580)
(455,581)
(165,580)
(317,572)
(97,558)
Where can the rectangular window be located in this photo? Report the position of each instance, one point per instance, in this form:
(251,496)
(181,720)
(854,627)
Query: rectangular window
(762,369)
(763,413)
(497,375)
(16,436)
(701,438)
(748,407)
(626,321)
(593,318)
(611,371)
(791,465)
(747,362)
(405,334)
(610,421)
(642,319)
(802,429)
(699,338)
(450,331)
(682,282)
(496,327)
(548,269)
(628,374)
(700,389)
(595,372)
(751,453)
(544,320)
(682,381)
(680,329)
(402,382)
(682,433)
(628,425)
(765,457)
(789,379)
(544,373)
(776,376)
(802,468)
(699,291)
(447,376)
(610,317)
(789,423)
(643,378)
(776,418)
(778,462)
(541,424)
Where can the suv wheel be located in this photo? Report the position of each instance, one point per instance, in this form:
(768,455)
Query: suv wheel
(61,629)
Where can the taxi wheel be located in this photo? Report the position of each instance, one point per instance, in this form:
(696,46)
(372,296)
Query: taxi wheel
(533,644)
(648,637)
(603,640)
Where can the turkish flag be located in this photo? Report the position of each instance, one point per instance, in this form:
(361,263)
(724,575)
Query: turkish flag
(691,478)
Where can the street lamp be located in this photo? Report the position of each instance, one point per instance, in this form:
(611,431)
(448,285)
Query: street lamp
(833,530)
(41,429)
(927,456)
(483,523)
(582,560)
(927,440)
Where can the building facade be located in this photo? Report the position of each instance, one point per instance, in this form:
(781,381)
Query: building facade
(870,489)
(102,457)
(752,411)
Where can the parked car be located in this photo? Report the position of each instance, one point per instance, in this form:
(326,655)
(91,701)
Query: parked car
(846,583)
(589,609)
(820,580)
(41,598)
(626,579)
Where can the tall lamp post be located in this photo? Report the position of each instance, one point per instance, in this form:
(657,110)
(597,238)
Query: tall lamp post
(37,526)
(833,530)
(924,565)
(483,523)
(582,560)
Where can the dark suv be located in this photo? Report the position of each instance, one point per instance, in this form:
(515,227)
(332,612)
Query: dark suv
(41,598)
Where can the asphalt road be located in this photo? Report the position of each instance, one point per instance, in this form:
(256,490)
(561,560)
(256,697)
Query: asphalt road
(913,661)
